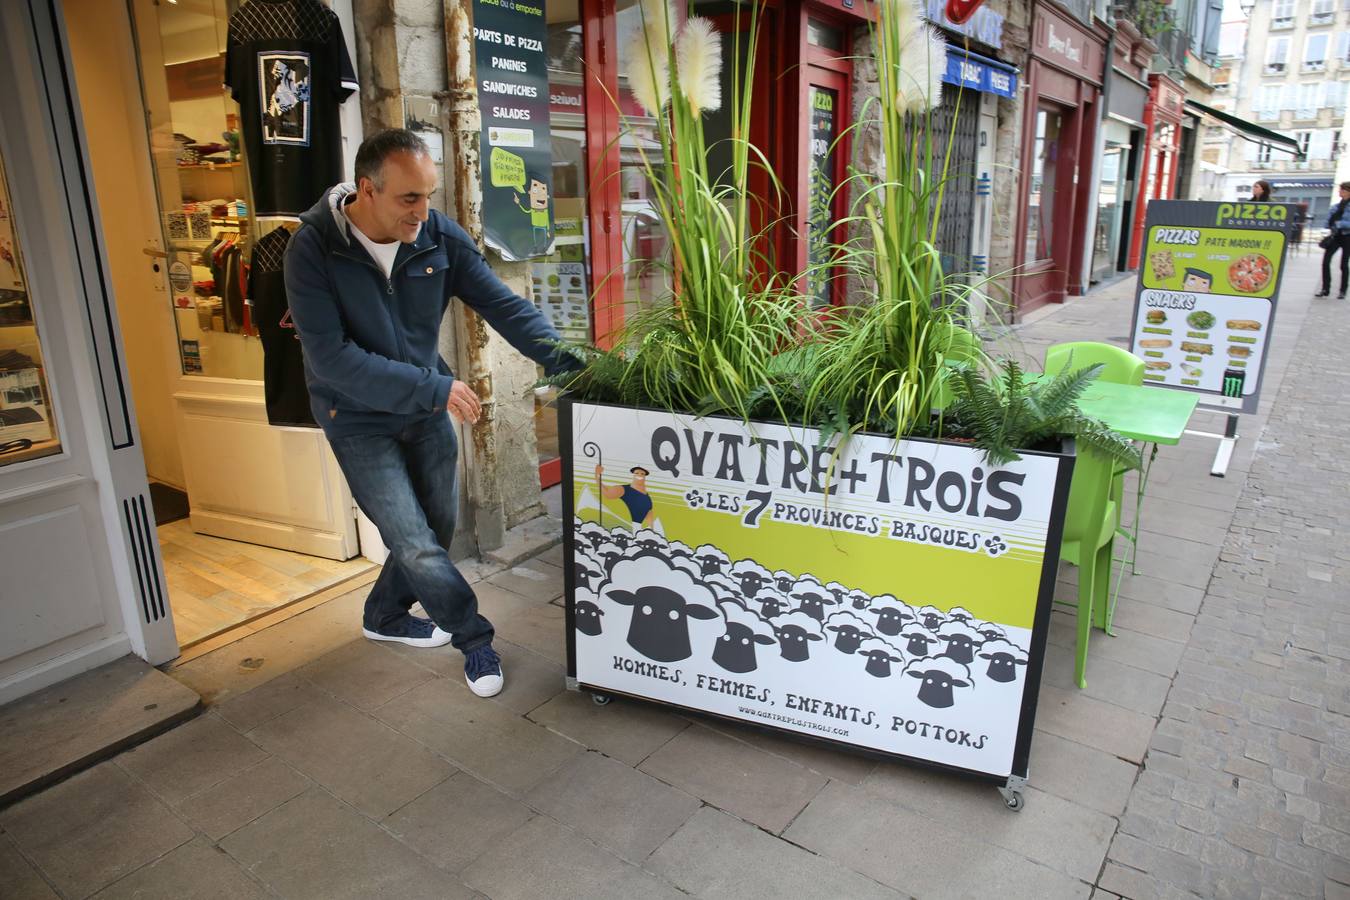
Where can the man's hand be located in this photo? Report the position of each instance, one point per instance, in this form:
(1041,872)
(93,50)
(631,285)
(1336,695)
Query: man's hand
(599,470)
(463,403)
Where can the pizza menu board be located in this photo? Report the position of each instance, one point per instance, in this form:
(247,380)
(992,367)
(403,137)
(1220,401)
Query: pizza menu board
(1205,301)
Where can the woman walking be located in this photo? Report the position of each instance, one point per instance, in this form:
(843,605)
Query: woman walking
(1261,192)
(1338,238)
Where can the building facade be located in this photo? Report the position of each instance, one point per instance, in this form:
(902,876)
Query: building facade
(1286,67)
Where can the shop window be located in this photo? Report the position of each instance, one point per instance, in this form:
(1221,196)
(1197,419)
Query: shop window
(1315,52)
(1042,189)
(646,246)
(561,282)
(204,193)
(27,420)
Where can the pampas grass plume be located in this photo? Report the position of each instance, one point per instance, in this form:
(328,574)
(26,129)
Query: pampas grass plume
(923,59)
(698,61)
(648,75)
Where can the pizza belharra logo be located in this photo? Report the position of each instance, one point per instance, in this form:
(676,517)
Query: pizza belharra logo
(1251,212)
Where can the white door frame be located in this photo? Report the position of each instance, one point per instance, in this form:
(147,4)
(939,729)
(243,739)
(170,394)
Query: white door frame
(98,480)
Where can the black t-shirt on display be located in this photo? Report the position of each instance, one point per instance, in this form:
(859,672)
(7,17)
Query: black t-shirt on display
(287,66)
(283,360)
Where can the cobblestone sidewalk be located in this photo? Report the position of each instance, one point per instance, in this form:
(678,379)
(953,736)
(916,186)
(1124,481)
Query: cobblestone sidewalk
(1245,791)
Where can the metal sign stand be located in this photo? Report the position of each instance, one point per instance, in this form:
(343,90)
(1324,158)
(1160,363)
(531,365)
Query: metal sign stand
(1227,441)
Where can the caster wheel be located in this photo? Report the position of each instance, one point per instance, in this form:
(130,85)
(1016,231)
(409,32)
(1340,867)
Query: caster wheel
(600,699)
(1014,802)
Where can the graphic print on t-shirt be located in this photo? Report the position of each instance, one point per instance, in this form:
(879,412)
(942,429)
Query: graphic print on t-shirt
(283,82)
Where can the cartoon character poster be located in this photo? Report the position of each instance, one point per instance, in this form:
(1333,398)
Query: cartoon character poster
(284,82)
(889,595)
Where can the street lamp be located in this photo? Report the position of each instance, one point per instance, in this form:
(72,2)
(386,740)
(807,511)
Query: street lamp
(1247,6)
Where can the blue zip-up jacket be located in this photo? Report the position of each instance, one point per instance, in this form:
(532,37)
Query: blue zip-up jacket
(1338,220)
(371,357)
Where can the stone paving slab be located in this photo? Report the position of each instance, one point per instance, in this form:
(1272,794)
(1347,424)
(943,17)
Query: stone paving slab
(67,727)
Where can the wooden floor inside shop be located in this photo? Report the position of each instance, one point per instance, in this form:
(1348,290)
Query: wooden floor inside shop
(217,585)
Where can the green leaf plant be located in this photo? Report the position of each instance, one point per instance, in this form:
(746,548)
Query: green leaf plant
(736,334)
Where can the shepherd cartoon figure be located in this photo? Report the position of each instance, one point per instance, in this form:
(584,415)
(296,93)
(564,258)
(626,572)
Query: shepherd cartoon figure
(538,211)
(633,495)
(1197,281)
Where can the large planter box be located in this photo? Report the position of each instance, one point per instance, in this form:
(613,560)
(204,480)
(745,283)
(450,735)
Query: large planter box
(895,599)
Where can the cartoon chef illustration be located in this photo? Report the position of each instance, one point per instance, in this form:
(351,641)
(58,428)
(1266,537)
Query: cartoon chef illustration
(633,495)
(537,208)
(1197,281)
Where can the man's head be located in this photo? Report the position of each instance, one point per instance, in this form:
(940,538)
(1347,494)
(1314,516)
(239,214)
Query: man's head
(639,476)
(1345,190)
(394,181)
(538,193)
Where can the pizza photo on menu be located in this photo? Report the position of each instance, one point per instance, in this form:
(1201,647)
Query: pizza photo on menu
(1250,273)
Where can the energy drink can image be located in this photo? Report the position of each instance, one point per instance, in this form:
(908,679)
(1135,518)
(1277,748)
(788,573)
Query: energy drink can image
(1232,382)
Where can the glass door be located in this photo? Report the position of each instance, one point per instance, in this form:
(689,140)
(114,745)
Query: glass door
(1110,192)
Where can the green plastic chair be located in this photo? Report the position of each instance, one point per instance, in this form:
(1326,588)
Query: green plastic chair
(1089,536)
(1119,367)
(960,347)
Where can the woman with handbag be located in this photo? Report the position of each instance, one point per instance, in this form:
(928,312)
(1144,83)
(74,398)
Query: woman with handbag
(1338,238)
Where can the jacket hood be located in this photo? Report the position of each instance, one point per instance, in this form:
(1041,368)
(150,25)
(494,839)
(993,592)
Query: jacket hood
(329,215)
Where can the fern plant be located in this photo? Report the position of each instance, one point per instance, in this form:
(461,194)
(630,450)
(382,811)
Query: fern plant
(1011,411)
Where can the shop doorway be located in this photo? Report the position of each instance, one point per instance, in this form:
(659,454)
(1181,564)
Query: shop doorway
(270,521)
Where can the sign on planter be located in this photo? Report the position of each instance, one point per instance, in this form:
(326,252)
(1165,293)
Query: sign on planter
(893,597)
(516,148)
(1205,301)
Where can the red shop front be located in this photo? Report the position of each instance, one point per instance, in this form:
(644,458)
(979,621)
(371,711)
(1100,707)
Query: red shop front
(1162,137)
(1064,81)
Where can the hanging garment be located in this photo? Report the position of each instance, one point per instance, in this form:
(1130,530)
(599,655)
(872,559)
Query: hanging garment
(283,361)
(287,66)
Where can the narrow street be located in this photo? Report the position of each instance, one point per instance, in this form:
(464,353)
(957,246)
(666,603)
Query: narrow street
(1207,756)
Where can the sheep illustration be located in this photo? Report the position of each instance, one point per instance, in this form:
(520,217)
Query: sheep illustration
(795,632)
(879,655)
(620,538)
(649,541)
(588,618)
(723,587)
(587,571)
(849,631)
(838,591)
(1004,658)
(812,597)
(771,603)
(939,674)
(735,650)
(860,599)
(891,614)
(663,600)
(957,614)
(712,560)
(920,641)
(784,580)
(931,617)
(752,577)
(990,631)
(962,640)
(678,550)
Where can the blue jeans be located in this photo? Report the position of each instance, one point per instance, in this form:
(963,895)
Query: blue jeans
(406,483)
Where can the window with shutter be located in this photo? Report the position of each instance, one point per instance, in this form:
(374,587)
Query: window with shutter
(1277,55)
(1315,52)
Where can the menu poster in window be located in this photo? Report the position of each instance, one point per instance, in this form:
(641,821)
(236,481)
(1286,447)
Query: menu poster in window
(560,280)
(1205,301)
(823,119)
(11,276)
(517,151)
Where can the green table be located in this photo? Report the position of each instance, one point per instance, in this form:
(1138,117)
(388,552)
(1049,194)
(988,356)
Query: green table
(1150,414)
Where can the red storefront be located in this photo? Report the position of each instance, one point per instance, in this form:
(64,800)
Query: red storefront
(1162,140)
(1064,81)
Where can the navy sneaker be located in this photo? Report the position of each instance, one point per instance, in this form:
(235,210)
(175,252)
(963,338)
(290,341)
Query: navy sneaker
(412,631)
(483,671)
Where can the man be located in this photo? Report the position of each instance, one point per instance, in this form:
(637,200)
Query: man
(1338,238)
(369,276)
(633,495)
